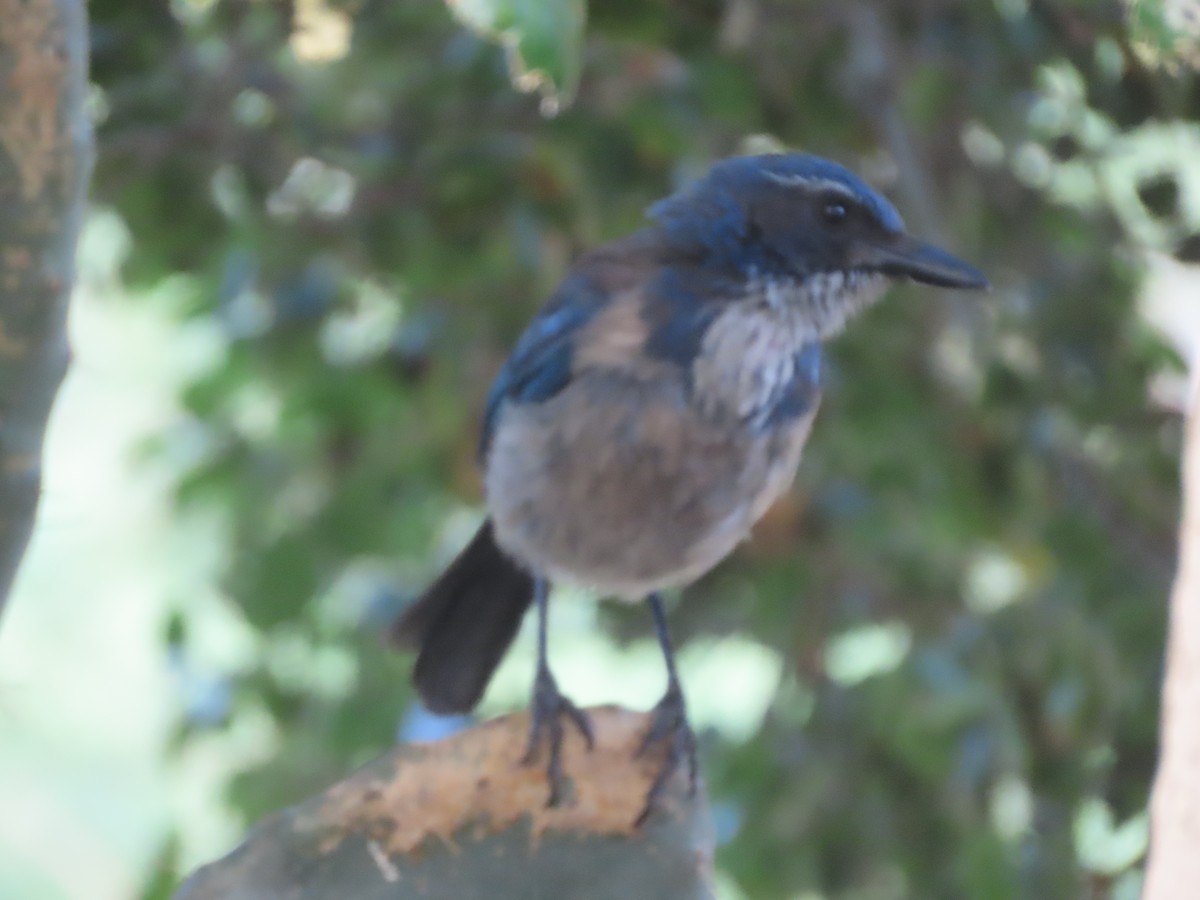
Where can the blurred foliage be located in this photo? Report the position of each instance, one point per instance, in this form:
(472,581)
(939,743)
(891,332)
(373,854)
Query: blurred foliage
(360,213)
(544,42)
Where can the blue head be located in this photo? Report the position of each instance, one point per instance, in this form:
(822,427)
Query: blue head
(790,218)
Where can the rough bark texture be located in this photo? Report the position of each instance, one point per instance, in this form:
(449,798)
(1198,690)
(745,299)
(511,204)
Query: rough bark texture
(462,819)
(1173,872)
(45,163)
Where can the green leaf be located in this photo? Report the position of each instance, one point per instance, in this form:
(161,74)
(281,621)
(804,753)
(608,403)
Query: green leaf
(543,40)
(1165,34)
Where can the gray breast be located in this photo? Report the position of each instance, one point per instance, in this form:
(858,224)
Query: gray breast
(625,485)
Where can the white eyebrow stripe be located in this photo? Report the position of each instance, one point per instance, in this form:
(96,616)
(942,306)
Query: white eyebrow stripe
(814,182)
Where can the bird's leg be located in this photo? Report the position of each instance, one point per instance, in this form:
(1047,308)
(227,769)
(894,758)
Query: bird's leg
(668,721)
(548,706)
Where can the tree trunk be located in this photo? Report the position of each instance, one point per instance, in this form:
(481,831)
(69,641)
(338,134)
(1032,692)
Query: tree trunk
(45,164)
(1173,872)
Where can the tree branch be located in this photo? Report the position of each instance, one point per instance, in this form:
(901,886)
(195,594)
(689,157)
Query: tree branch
(462,818)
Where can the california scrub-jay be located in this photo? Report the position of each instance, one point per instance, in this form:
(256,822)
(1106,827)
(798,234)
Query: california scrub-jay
(652,411)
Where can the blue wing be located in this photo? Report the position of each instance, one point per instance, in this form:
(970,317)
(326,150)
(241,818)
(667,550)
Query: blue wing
(540,364)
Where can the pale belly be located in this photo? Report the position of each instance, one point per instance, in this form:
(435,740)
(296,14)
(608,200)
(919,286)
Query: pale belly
(623,488)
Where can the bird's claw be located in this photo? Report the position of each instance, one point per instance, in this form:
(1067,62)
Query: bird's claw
(668,724)
(547,712)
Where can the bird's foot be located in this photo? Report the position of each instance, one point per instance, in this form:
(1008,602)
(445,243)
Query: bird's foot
(669,725)
(547,711)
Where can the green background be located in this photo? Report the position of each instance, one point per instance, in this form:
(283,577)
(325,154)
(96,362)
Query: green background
(318,228)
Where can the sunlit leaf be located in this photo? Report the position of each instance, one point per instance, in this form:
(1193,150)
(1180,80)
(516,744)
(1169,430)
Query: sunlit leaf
(543,40)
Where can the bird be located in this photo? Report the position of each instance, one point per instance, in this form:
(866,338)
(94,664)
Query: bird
(651,412)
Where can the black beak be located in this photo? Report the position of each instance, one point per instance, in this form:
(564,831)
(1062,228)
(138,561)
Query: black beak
(905,257)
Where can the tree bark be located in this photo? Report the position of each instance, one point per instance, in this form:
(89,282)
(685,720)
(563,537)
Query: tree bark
(1173,870)
(45,163)
(463,819)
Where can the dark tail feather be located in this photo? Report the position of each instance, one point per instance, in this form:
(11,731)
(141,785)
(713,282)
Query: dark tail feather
(463,624)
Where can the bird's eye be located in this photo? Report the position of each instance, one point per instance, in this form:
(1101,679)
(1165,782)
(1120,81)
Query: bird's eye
(834,213)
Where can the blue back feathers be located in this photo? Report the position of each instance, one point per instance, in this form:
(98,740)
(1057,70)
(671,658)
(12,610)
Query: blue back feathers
(540,364)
